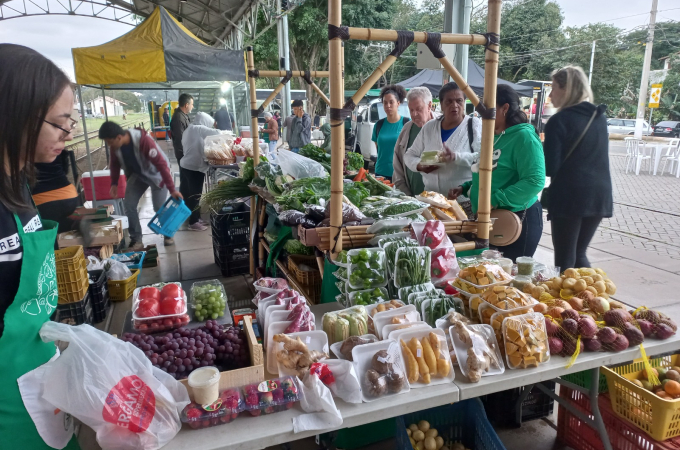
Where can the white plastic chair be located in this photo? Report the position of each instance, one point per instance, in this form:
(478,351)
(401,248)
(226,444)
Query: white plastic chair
(672,155)
(636,153)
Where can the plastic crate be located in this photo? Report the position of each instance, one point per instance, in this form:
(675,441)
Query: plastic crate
(120,290)
(583,379)
(655,416)
(578,435)
(71,276)
(463,422)
(129,265)
(99,295)
(500,406)
(69,259)
(75,313)
(170,217)
(231,215)
(72,292)
(232,260)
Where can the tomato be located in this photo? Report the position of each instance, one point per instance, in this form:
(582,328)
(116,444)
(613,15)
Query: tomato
(150,292)
(172,306)
(172,290)
(147,307)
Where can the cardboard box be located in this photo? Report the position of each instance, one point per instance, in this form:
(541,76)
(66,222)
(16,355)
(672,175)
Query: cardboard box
(70,238)
(308,236)
(248,375)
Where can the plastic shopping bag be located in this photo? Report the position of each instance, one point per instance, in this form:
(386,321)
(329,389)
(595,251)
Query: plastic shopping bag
(317,400)
(111,386)
(298,166)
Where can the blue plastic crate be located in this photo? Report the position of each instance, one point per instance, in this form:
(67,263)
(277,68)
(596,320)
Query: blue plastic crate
(170,217)
(463,422)
(122,256)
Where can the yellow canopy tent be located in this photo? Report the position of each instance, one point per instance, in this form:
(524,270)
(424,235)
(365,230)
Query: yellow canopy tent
(160,53)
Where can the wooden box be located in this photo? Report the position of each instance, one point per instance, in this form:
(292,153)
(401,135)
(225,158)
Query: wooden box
(70,238)
(248,375)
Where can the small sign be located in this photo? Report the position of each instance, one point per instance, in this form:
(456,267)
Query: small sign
(655,95)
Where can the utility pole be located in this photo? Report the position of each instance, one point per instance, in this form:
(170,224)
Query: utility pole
(284,54)
(592,59)
(457,20)
(642,98)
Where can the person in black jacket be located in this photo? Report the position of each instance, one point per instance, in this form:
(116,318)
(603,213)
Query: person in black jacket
(581,187)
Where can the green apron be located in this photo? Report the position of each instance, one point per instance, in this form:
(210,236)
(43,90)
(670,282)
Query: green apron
(21,349)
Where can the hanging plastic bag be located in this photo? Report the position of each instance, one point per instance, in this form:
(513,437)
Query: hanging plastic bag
(112,387)
(298,166)
(93,263)
(116,270)
(318,401)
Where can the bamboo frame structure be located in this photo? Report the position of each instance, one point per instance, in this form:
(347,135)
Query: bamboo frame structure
(487,109)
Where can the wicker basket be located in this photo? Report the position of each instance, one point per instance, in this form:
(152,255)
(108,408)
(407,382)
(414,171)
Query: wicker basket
(304,277)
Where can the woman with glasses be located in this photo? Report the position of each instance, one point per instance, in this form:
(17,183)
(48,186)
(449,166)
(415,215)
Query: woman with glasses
(35,123)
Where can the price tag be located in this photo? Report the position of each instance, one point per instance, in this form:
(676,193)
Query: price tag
(382,360)
(419,353)
(308,340)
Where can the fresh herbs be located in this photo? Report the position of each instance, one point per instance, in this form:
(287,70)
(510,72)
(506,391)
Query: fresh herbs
(225,191)
(304,191)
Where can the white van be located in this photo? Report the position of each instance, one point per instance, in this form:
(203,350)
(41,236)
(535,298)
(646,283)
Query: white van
(367,116)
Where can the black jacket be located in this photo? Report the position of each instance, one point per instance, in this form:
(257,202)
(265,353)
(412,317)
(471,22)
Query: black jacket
(581,186)
(180,122)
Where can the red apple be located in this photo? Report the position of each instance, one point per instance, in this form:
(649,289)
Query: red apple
(148,307)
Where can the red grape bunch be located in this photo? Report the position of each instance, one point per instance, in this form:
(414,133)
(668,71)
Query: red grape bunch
(180,352)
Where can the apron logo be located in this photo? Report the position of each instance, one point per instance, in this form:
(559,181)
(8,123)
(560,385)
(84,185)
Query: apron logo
(131,404)
(47,294)
(495,157)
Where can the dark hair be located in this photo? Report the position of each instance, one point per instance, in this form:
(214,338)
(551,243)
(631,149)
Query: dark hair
(297,103)
(448,87)
(506,94)
(29,85)
(110,130)
(395,89)
(184,99)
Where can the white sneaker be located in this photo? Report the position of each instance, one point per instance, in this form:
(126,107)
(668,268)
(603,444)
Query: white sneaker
(198,226)
(136,247)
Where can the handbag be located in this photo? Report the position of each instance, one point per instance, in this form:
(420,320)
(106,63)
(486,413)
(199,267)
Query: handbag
(545,195)
(506,228)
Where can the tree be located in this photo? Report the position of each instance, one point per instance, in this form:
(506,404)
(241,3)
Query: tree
(666,41)
(132,103)
(670,93)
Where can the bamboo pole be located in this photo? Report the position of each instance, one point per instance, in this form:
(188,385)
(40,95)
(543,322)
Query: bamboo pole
(337,88)
(272,96)
(260,228)
(318,90)
(253,204)
(296,73)
(371,80)
(254,131)
(460,81)
(493,25)
(371,34)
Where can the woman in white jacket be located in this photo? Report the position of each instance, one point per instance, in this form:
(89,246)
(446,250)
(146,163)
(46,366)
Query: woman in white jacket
(195,166)
(454,133)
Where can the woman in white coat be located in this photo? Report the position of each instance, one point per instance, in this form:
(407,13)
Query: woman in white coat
(454,133)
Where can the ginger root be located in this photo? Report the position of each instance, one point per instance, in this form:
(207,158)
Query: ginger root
(295,355)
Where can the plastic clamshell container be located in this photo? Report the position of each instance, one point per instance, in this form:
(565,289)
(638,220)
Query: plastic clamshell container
(425,306)
(354,294)
(403,271)
(170,217)
(388,225)
(270,285)
(370,308)
(530,355)
(270,310)
(335,347)
(393,331)
(524,299)
(314,340)
(404,292)
(262,310)
(158,323)
(272,330)
(486,311)
(224,410)
(375,240)
(461,349)
(272,396)
(363,354)
(419,334)
(375,264)
(409,313)
(159,286)
(214,286)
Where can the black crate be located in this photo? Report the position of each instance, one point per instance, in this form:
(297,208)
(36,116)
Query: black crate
(501,406)
(99,295)
(231,225)
(232,260)
(76,313)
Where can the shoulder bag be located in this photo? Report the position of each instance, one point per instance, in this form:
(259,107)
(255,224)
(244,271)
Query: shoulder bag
(545,195)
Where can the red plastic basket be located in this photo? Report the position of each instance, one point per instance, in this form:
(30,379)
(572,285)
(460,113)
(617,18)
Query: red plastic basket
(622,435)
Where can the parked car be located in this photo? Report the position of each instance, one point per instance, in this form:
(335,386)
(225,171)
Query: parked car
(366,120)
(667,128)
(626,126)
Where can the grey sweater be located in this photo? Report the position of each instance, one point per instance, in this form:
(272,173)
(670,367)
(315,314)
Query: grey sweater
(301,131)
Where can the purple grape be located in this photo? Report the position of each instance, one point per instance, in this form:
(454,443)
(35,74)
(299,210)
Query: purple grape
(154,361)
(190,353)
(171,353)
(186,361)
(172,368)
(198,352)
(181,368)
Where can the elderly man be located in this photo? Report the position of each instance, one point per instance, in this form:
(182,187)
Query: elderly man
(271,131)
(420,105)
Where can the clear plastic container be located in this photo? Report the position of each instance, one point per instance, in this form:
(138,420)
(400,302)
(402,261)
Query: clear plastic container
(367,268)
(205,384)
(348,344)
(403,315)
(270,285)
(506,298)
(159,322)
(442,372)
(520,281)
(224,410)
(339,325)
(391,249)
(477,279)
(492,254)
(404,292)
(506,264)
(368,296)
(525,265)
(394,331)
(483,342)
(209,300)
(271,396)
(315,340)
(412,266)
(526,341)
(390,376)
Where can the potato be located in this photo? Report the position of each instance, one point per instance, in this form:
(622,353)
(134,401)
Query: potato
(413,443)
(409,432)
(423,425)
(571,273)
(557,282)
(420,445)
(593,290)
(418,436)
(589,281)
(440,441)
(597,277)
(569,283)
(580,285)
(413,427)
(432,432)
(430,444)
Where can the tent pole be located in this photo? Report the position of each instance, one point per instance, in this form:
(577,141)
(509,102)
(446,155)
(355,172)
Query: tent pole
(106,117)
(337,127)
(87,146)
(493,25)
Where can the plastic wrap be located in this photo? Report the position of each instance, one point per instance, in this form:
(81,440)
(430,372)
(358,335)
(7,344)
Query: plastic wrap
(271,396)
(343,350)
(412,266)
(426,357)
(367,269)
(477,351)
(525,340)
(299,166)
(341,379)
(380,369)
(292,217)
(399,316)
(339,325)
(477,279)
(406,291)
(391,246)
(368,296)
(296,352)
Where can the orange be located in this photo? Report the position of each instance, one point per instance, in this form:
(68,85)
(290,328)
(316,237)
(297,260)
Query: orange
(672,388)
(644,373)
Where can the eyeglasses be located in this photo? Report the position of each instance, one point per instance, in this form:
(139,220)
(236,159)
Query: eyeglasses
(73,125)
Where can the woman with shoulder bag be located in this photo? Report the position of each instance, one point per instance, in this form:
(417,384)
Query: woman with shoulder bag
(577,160)
(518,175)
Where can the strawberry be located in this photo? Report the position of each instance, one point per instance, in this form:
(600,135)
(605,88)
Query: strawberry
(252,400)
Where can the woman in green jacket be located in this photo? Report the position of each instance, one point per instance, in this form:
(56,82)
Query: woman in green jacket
(518,173)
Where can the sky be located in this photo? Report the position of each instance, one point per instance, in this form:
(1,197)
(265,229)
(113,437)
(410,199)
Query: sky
(54,36)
